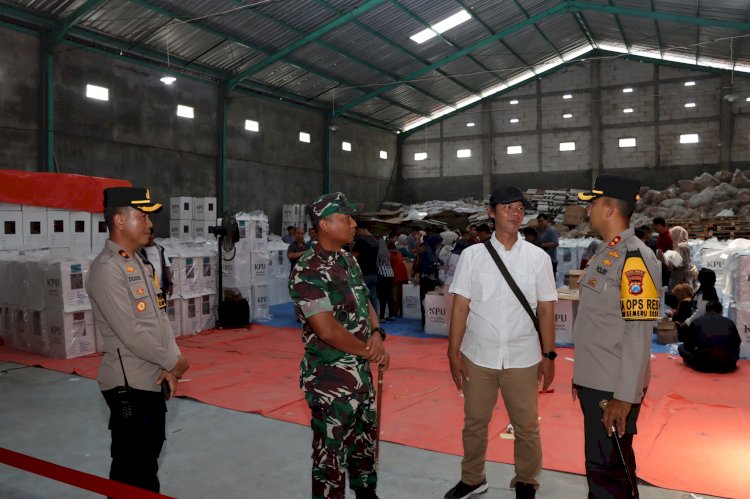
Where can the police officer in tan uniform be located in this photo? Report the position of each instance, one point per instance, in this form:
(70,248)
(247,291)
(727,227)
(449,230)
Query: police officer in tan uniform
(141,362)
(612,336)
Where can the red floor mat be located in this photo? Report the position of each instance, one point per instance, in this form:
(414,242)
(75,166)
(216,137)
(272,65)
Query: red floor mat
(694,429)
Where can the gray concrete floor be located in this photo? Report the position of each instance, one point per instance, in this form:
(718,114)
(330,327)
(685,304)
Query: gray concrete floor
(212,452)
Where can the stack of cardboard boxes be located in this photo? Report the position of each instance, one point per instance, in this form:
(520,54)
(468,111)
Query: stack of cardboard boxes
(190,217)
(192,306)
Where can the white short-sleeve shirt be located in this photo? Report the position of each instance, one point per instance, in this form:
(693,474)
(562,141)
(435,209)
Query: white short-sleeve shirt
(499,332)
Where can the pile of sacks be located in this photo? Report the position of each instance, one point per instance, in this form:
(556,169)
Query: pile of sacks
(721,194)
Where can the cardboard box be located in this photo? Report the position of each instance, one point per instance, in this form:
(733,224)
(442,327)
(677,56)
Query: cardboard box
(208,311)
(410,301)
(259,306)
(574,215)
(11,230)
(181,208)
(190,275)
(174,312)
(34,229)
(436,314)
(574,277)
(99,232)
(64,282)
(181,229)
(209,270)
(200,229)
(204,209)
(190,318)
(565,315)
(666,332)
(58,228)
(38,331)
(259,268)
(71,334)
(80,229)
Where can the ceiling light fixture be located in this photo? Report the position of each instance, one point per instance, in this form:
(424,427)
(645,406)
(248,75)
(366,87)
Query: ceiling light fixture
(167,80)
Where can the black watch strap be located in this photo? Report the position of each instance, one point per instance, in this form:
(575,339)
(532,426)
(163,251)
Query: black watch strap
(379,330)
(550,355)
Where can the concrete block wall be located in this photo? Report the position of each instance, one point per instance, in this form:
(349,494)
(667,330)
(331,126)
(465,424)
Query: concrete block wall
(658,119)
(137,136)
(453,166)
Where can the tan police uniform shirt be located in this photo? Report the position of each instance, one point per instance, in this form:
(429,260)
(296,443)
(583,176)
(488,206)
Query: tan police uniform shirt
(129,316)
(614,326)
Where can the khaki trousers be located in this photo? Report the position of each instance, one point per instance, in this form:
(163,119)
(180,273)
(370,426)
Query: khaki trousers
(519,388)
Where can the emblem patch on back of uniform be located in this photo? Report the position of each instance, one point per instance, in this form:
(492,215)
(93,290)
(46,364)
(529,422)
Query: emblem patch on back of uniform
(124,254)
(130,268)
(140,306)
(639,297)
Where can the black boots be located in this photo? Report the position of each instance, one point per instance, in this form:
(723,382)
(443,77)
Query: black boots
(525,490)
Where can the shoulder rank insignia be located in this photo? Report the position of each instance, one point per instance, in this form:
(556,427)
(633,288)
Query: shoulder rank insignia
(614,254)
(140,306)
(639,298)
(607,262)
(592,282)
(130,268)
(614,241)
(124,254)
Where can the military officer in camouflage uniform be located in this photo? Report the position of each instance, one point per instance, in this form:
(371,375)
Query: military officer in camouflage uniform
(342,338)
(612,335)
(140,351)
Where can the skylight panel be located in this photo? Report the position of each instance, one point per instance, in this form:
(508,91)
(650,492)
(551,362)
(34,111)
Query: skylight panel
(441,27)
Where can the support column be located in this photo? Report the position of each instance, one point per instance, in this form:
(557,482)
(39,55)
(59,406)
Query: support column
(488,150)
(657,118)
(46,125)
(221,156)
(328,158)
(725,123)
(539,128)
(596,121)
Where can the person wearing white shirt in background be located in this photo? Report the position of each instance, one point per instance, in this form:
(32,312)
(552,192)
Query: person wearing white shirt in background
(153,254)
(493,344)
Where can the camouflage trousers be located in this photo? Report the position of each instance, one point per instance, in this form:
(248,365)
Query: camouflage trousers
(344,432)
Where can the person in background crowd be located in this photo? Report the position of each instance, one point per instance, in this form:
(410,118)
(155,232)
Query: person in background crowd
(153,254)
(591,250)
(449,240)
(612,333)
(366,252)
(663,244)
(706,293)
(473,232)
(529,235)
(385,281)
(483,233)
(400,277)
(402,245)
(712,343)
(681,273)
(141,363)
(297,247)
(682,307)
(289,236)
(547,239)
(413,240)
(311,235)
(648,237)
(427,267)
(493,345)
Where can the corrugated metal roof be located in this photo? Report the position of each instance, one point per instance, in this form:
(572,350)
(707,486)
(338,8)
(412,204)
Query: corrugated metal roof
(357,57)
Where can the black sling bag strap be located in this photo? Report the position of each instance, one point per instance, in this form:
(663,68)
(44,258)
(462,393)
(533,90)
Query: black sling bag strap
(513,286)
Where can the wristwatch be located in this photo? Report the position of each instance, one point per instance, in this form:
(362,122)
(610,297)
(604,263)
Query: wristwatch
(550,355)
(379,330)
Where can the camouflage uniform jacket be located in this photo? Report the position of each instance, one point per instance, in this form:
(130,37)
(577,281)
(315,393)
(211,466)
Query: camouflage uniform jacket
(325,281)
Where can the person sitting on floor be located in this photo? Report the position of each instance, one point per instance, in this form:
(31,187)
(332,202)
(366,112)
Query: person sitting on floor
(706,293)
(682,307)
(712,342)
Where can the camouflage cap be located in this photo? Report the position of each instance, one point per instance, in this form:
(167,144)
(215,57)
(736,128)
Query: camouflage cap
(330,204)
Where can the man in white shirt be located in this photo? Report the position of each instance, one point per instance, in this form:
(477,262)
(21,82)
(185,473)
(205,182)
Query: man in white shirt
(493,344)
(153,254)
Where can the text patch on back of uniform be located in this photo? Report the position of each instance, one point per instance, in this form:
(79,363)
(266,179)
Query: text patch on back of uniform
(639,298)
